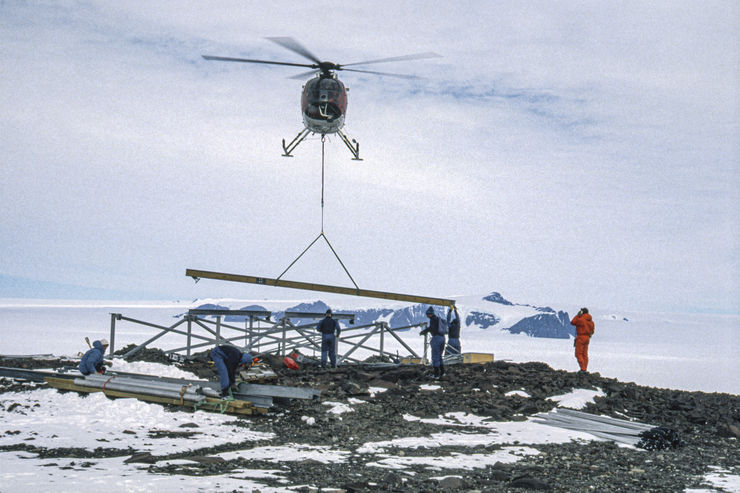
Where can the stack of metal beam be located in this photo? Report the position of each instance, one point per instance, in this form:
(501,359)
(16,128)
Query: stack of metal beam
(185,392)
(617,430)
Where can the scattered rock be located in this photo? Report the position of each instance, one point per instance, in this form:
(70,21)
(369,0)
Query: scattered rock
(707,424)
(451,483)
(530,483)
(141,458)
(206,460)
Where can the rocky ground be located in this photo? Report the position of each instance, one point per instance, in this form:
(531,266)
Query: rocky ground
(708,425)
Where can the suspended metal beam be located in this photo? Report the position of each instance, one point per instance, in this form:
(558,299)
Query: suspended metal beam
(335,316)
(237,313)
(367,293)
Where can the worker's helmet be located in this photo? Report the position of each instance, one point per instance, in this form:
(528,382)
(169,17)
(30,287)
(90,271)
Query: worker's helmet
(104,342)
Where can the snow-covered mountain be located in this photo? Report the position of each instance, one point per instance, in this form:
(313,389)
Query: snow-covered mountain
(492,311)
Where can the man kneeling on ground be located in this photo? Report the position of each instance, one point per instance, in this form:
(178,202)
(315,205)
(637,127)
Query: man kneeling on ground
(92,361)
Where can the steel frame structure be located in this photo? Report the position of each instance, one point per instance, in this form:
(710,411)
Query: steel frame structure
(262,335)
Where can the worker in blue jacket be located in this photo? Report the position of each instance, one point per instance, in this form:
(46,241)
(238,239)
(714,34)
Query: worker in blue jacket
(92,361)
(437,343)
(227,358)
(453,336)
(330,331)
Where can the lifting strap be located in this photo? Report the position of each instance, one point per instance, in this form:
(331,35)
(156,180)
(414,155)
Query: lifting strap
(322,235)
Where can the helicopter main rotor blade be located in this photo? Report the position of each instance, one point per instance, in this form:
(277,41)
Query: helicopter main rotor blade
(303,75)
(294,46)
(401,76)
(414,56)
(247,60)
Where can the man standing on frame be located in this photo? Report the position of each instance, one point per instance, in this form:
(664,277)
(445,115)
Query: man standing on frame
(453,336)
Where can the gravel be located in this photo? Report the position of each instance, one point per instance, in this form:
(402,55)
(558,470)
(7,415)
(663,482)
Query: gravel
(705,428)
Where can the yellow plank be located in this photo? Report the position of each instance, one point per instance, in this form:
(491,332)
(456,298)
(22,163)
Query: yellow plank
(477,357)
(367,293)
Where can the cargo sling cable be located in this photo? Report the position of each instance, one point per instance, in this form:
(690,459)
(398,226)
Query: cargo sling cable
(197,275)
(321,234)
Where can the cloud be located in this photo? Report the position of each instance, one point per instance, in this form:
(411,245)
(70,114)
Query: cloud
(550,143)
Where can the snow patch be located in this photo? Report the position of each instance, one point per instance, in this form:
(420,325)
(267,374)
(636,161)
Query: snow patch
(56,420)
(578,398)
(147,368)
(338,407)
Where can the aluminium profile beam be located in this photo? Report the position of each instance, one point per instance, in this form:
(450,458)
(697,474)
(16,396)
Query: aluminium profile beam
(239,313)
(335,316)
(367,293)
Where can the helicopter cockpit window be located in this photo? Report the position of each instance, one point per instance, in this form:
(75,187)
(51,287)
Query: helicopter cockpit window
(323,95)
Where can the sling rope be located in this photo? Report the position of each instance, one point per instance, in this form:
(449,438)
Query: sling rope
(323,137)
(322,235)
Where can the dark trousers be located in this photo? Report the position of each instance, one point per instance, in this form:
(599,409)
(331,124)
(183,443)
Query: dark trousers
(328,347)
(219,360)
(437,344)
(453,347)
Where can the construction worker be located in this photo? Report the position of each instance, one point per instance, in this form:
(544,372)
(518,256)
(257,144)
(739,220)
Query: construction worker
(584,330)
(92,360)
(453,337)
(227,358)
(437,343)
(330,331)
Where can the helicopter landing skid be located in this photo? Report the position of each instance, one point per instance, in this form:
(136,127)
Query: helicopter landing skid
(354,149)
(294,143)
(354,146)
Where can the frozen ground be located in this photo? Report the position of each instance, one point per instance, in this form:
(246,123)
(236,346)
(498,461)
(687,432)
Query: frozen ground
(81,443)
(689,352)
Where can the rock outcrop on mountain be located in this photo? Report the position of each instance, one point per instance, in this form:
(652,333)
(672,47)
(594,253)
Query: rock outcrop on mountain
(552,325)
(487,313)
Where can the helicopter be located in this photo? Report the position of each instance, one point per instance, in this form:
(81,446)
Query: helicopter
(324,97)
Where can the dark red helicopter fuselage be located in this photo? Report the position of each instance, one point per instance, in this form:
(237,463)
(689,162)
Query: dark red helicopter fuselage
(323,104)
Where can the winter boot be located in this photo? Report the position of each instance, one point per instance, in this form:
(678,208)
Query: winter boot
(436,373)
(441,371)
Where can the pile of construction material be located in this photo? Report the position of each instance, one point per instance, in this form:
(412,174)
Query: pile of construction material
(617,430)
(249,396)
(184,394)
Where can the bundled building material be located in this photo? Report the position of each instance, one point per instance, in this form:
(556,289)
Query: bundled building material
(618,430)
(184,392)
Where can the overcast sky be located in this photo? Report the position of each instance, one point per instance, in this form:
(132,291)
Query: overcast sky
(557,152)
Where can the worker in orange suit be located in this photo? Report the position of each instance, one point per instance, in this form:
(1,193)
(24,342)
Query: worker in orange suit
(584,330)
